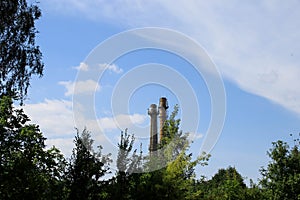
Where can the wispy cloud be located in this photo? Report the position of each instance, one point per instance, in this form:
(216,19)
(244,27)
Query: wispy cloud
(121,122)
(253,43)
(113,68)
(80,87)
(192,136)
(103,66)
(82,67)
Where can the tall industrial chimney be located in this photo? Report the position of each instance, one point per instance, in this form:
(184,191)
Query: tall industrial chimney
(162,110)
(152,111)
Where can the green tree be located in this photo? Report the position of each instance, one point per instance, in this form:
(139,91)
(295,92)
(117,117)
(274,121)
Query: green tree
(174,142)
(227,174)
(179,173)
(27,170)
(255,192)
(128,160)
(226,184)
(85,170)
(281,178)
(176,177)
(129,165)
(20,57)
(179,177)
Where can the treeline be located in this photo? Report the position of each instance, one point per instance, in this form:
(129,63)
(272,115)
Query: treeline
(29,170)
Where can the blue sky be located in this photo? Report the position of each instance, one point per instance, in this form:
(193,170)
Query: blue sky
(254,45)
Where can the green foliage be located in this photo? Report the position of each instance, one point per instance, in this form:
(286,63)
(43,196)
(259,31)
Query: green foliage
(27,170)
(226,184)
(223,175)
(85,170)
(125,162)
(254,192)
(173,140)
(179,176)
(281,178)
(175,177)
(129,163)
(20,58)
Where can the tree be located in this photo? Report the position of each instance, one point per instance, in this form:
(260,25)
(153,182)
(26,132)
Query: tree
(129,165)
(20,57)
(125,162)
(281,178)
(179,177)
(27,170)
(176,177)
(255,192)
(86,168)
(226,184)
(179,173)
(174,142)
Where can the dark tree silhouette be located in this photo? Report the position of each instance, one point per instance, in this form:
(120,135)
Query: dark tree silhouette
(20,57)
(86,169)
(27,170)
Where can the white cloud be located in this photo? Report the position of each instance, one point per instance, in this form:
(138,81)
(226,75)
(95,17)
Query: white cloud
(56,120)
(121,121)
(82,67)
(55,117)
(253,43)
(103,66)
(192,136)
(65,145)
(80,87)
(114,68)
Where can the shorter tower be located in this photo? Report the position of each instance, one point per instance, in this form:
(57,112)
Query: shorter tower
(162,110)
(152,111)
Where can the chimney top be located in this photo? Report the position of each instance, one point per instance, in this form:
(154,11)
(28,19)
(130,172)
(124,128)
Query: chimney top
(163,102)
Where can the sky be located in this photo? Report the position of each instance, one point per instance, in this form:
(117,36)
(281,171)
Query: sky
(231,66)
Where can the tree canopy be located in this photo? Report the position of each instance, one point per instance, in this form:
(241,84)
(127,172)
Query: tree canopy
(27,169)
(20,57)
(281,178)
(85,169)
